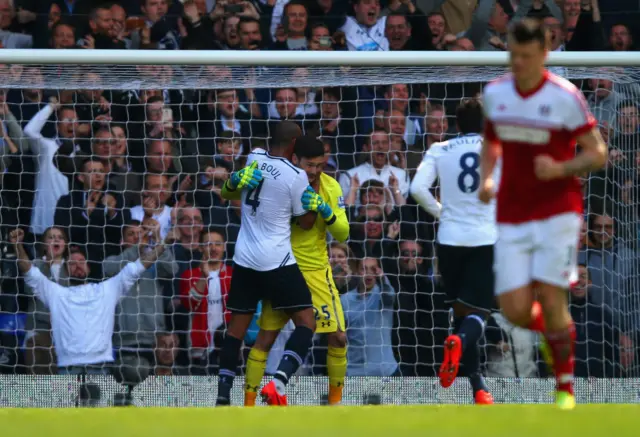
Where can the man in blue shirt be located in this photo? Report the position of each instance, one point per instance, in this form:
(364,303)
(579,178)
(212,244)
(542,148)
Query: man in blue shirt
(369,311)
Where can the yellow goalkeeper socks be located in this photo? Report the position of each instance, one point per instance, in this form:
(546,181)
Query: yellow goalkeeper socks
(337,369)
(256,365)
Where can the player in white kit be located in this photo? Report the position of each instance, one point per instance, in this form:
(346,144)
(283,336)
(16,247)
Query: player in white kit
(533,121)
(466,235)
(271,190)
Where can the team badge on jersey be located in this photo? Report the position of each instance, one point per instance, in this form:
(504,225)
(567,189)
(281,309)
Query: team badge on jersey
(341,202)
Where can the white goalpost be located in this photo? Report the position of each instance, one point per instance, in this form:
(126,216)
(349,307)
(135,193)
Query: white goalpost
(209,108)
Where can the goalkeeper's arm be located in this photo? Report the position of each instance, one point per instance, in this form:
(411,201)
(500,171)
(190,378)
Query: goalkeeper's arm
(337,222)
(248,177)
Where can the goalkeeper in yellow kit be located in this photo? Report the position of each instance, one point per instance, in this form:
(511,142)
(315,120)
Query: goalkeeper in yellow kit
(310,251)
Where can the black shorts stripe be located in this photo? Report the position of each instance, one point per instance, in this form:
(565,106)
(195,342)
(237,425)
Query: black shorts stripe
(333,299)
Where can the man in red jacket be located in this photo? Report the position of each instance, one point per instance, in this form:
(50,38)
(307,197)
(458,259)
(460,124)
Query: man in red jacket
(203,290)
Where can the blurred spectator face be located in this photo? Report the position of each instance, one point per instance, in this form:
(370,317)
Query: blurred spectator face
(296,20)
(133,235)
(159,156)
(230,31)
(35,77)
(410,258)
(154,10)
(145,95)
(372,196)
(156,187)
(499,20)
(286,102)
(101,144)
(190,223)
(555,29)
(250,36)
(102,22)
(396,122)
(119,142)
(373,222)
(397,32)
(371,272)
(63,37)
(312,166)
(398,97)
(213,246)
(119,16)
(628,119)
(603,230)
(167,347)
(437,124)
(55,242)
(67,123)
(379,147)
(436,25)
(338,258)
(367,12)
(77,266)
(154,111)
(572,8)
(601,87)
(229,149)
(6,14)
(330,108)
(579,290)
(620,38)
(463,45)
(54,15)
(92,176)
(320,38)
(227,103)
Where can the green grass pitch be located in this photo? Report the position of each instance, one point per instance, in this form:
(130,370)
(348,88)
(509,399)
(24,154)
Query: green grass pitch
(387,421)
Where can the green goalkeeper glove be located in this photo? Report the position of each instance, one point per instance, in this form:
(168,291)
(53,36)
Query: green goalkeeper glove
(311,201)
(249,177)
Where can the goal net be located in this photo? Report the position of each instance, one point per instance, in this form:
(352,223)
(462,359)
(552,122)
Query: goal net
(99,152)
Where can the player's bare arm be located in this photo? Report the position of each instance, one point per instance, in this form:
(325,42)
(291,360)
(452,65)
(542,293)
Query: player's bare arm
(308,220)
(16,237)
(489,155)
(592,157)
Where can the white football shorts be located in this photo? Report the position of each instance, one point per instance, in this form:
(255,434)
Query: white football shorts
(540,250)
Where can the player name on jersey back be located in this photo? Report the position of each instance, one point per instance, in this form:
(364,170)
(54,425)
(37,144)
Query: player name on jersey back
(264,241)
(544,121)
(464,220)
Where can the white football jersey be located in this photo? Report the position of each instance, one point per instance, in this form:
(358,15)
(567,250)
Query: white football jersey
(363,39)
(264,241)
(464,220)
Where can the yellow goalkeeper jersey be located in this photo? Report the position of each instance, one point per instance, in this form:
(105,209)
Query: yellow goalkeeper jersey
(310,247)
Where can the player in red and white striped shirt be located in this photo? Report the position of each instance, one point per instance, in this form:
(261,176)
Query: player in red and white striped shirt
(533,121)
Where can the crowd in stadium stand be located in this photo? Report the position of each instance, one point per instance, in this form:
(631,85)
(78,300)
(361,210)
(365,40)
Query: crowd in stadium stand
(95,176)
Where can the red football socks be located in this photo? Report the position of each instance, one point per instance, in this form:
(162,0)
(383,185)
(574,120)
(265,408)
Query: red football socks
(537,318)
(562,345)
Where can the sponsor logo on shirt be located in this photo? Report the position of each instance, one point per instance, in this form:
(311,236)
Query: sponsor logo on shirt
(522,134)
(341,202)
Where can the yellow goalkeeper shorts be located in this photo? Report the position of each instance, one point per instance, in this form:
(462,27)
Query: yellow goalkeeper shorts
(326,305)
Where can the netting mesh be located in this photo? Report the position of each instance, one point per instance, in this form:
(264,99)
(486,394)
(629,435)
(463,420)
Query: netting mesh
(166,138)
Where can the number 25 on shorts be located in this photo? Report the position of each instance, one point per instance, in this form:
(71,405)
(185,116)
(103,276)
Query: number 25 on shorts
(325,312)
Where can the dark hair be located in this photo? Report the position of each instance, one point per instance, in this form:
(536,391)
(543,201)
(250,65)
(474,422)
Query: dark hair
(92,159)
(213,229)
(132,223)
(439,14)
(529,30)
(62,22)
(367,185)
(469,117)
(628,104)
(228,136)
(398,14)
(308,147)
(328,91)
(154,99)
(244,20)
(78,249)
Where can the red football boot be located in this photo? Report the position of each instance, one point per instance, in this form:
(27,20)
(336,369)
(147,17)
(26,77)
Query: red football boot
(451,362)
(483,398)
(271,397)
